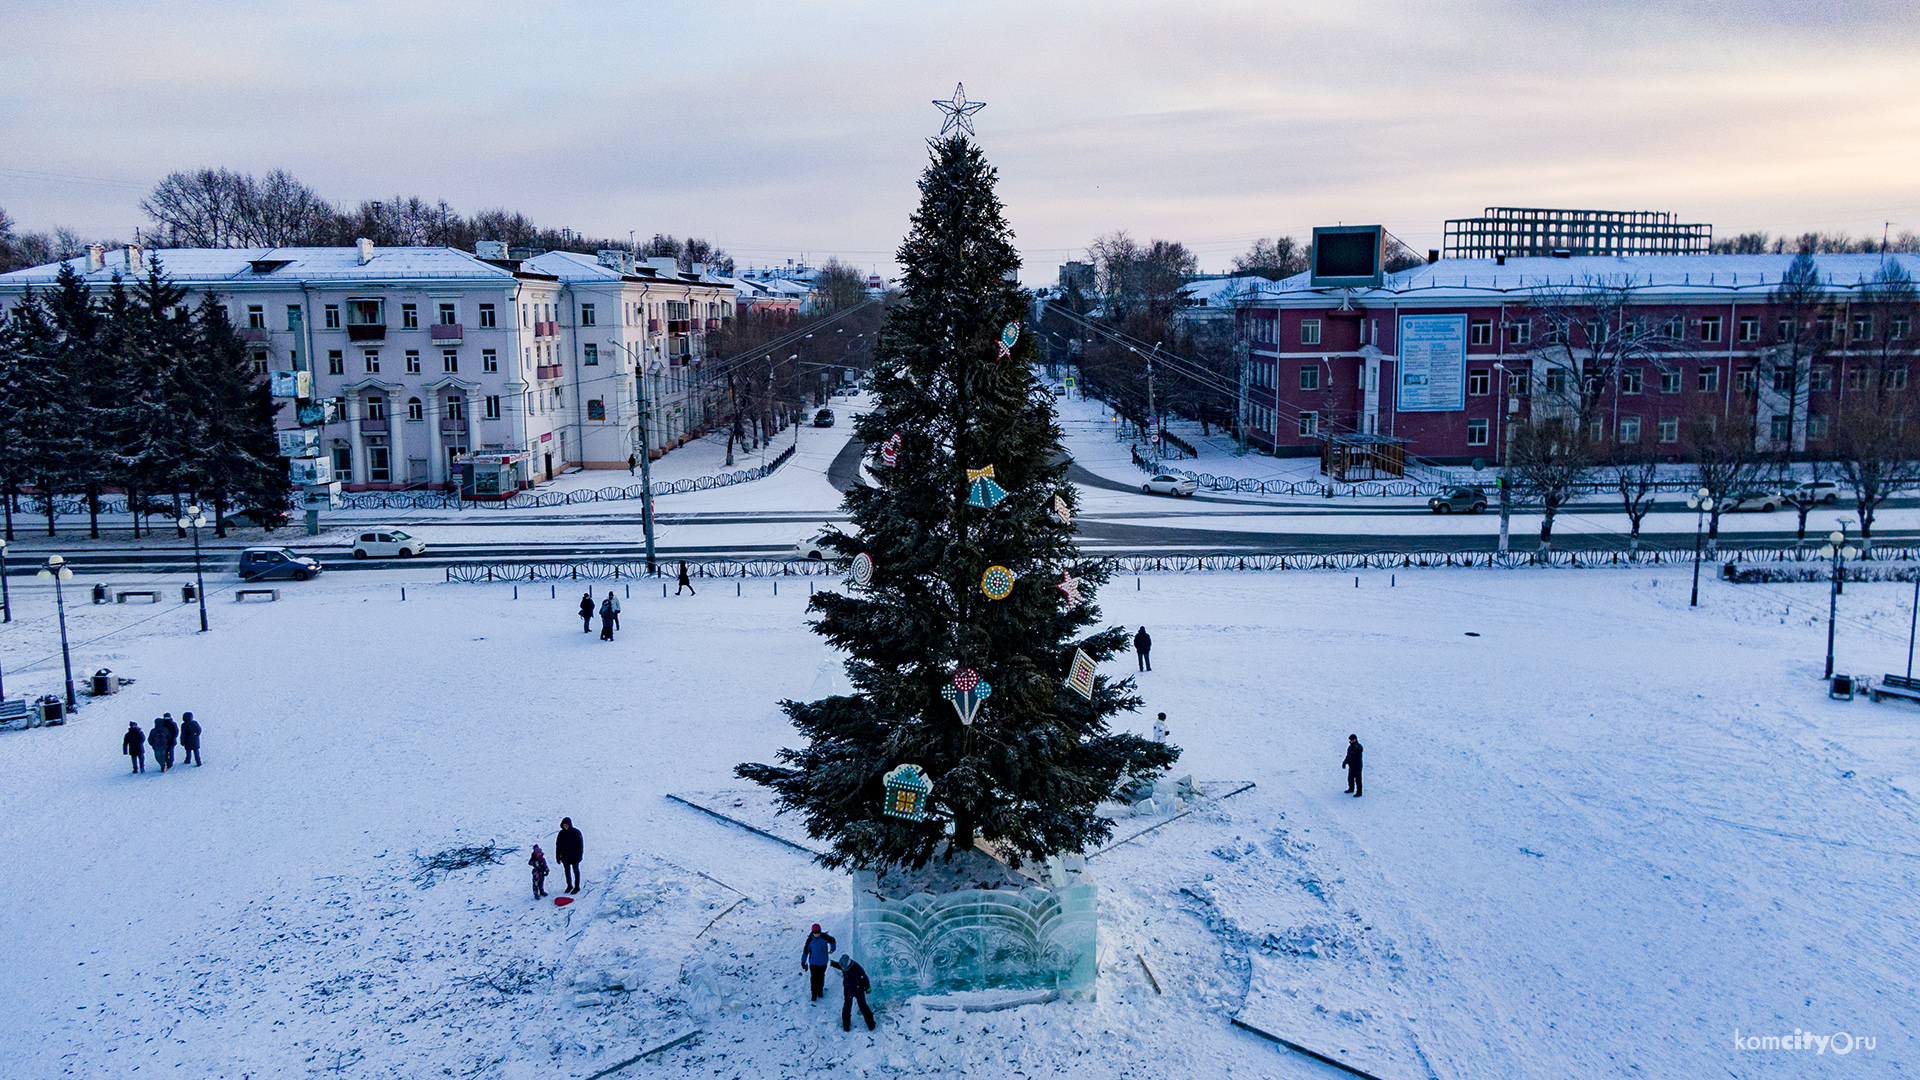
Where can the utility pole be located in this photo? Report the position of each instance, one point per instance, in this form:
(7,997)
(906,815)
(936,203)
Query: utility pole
(1153,416)
(1240,411)
(638,356)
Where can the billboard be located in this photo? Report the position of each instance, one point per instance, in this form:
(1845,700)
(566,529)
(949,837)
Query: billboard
(291,384)
(1348,255)
(1433,364)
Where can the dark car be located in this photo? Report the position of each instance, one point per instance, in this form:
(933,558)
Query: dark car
(265,564)
(1467,500)
(823,418)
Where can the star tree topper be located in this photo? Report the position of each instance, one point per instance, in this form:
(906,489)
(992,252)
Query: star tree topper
(959,111)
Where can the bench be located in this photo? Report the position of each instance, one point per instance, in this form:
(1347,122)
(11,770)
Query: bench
(12,711)
(1896,686)
(152,595)
(241,594)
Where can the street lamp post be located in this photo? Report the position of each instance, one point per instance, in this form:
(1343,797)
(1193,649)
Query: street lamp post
(1837,549)
(1701,502)
(57,572)
(6,601)
(196,518)
(1500,454)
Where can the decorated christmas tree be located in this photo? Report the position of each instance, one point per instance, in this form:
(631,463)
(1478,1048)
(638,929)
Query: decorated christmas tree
(968,616)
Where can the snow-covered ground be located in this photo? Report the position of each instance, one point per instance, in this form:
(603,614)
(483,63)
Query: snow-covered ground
(1598,839)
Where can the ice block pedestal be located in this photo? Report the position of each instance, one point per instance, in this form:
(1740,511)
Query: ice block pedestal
(975,924)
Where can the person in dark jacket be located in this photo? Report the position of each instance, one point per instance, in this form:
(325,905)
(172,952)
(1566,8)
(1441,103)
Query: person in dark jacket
(172,735)
(685,581)
(567,850)
(160,738)
(586,612)
(134,745)
(815,955)
(613,602)
(1352,762)
(1142,644)
(853,988)
(606,618)
(539,863)
(633,462)
(190,739)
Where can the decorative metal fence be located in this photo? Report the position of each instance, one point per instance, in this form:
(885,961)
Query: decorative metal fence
(596,570)
(1401,488)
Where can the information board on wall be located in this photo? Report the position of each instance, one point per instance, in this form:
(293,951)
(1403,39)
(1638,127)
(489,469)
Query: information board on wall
(1433,364)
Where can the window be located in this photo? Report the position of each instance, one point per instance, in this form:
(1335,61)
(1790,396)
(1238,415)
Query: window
(416,410)
(1309,424)
(1669,429)
(1709,379)
(293,316)
(491,403)
(1896,377)
(1556,380)
(1782,427)
(1856,378)
(1710,328)
(409,316)
(524,315)
(1518,382)
(456,407)
(1670,381)
(1557,333)
(1479,381)
(1820,379)
(1784,378)
(489,360)
(526,359)
(1676,328)
(1310,377)
(366,312)
(1784,332)
(332,316)
(596,409)
(1630,380)
(378,471)
(256,316)
(1743,381)
(1750,328)
(1827,328)
(1310,331)
(372,358)
(1477,431)
(586,315)
(590,354)
(1629,430)
(1480,332)
(1596,332)
(1897,327)
(343,464)
(1816,427)
(1863,328)
(376,408)
(336,362)
(486,316)
(450,360)
(259,361)
(449,314)
(413,361)
(1519,332)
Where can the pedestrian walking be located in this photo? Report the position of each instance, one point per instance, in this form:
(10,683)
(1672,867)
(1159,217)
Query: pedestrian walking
(614,602)
(160,741)
(633,462)
(685,581)
(815,954)
(567,850)
(134,745)
(1142,644)
(1160,731)
(1352,762)
(853,988)
(190,739)
(539,864)
(606,618)
(586,612)
(172,732)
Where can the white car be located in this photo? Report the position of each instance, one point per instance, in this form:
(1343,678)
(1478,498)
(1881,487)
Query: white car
(1812,491)
(1168,484)
(814,547)
(388,544)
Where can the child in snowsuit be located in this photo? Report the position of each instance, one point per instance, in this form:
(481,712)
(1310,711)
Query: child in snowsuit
(539,864)
(134,745)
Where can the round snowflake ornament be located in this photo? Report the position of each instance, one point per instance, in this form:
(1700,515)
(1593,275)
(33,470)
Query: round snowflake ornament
(997,583)
(862,571)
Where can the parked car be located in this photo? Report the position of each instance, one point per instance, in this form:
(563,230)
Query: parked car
(388,544)
(1467,500)
(1167,484)
(823,418)
(1765,502)
(266,564)
(814,546)
(1812,491)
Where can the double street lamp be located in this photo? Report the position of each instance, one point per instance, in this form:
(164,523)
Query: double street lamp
(1838,550)
(1701,502)
(56,571)
(196,518)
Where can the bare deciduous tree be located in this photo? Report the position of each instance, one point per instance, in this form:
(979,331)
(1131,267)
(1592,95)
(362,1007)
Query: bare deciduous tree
(1876,440)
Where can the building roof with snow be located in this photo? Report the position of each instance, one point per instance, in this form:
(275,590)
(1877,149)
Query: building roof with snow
(214,266)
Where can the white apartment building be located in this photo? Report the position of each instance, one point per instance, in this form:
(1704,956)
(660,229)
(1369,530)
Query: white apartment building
(431,353)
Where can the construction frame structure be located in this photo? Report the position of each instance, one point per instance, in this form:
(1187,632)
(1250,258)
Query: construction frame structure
(1521,232)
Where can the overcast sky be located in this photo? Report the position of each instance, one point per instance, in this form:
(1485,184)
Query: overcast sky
(795,128)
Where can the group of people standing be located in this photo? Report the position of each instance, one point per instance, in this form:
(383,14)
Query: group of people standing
(165,735)
(609,609)
(814,954)
(568,849)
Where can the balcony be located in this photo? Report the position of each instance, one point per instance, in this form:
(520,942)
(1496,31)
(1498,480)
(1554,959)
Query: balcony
(547,371)
(367,332)
(679,326)
(713,324)
(370,427)
(447,333)
(546,329)
(452,427)
(256,335)
(653,326)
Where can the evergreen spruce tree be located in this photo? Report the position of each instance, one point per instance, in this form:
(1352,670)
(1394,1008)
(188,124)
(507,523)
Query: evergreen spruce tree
(55,332)
(164,399)
(240,460)
(28,393)
(1028,774)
